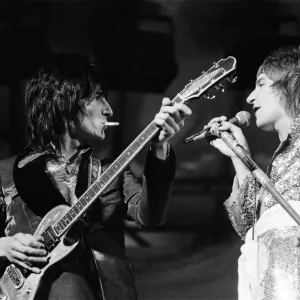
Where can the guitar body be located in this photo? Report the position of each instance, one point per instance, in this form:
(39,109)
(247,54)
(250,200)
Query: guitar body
(15,286)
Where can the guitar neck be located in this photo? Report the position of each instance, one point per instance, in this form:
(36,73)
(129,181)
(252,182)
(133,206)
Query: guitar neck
(95,190)
(193,89)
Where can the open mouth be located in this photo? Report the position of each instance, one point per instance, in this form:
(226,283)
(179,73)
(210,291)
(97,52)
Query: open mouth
(255,109)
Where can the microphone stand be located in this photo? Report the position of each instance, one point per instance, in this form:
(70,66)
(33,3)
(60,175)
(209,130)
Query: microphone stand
(264,180)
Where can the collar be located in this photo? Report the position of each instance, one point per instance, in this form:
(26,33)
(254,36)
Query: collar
(294,131)
(50,149)
(82,149)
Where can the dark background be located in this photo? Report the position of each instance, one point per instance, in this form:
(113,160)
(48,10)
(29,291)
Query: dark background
(148,50)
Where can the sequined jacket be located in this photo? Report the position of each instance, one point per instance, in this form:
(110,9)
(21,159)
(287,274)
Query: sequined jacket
(145,203)
(284,173)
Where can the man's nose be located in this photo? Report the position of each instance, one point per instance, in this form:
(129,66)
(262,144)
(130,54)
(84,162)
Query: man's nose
(251,97)
(108,112)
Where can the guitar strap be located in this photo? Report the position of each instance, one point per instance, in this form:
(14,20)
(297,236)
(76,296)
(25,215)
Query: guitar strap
(34,185)
(36,188)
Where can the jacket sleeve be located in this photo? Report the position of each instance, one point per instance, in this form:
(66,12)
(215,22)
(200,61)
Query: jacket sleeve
(147,202)
(241,204)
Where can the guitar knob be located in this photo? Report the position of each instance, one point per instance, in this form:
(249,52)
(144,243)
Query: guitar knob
(232,79)
(209,96)
(28,291)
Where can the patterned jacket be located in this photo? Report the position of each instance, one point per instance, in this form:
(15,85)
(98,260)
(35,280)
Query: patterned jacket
(283,171)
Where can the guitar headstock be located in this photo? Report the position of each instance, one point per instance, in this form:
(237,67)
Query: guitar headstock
(212,78)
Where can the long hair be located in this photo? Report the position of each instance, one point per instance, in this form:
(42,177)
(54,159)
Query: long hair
(57,94)
(283,67)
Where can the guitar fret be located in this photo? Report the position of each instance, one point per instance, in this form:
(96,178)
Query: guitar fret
(95,190)
(66,220)
(81,205)
(177,99)
(72,213)
(63,222)
(106,177)
(84,200)
(60,226)
(57,229)
(180,98)
(91,194)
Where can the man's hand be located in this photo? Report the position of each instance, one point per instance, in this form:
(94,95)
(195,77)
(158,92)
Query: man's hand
(25,250)
(170,119)
(235,131)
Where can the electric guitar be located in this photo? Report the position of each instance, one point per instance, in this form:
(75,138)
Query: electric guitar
(18,283)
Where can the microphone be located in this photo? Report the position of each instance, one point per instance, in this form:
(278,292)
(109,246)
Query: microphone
(241,119)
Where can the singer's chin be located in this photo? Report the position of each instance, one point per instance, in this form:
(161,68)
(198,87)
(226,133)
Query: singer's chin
(264,126)
(99,135)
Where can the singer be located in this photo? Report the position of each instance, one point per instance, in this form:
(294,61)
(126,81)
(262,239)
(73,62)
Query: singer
(269,263)
(67,111)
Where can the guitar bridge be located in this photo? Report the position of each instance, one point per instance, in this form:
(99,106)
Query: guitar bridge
(15,276)
(50,239)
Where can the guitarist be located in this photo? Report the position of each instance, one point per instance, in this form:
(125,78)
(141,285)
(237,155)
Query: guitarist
(66,109)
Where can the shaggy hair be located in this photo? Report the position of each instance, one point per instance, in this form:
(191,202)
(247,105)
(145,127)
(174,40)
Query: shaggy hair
(56,96)
(283,67)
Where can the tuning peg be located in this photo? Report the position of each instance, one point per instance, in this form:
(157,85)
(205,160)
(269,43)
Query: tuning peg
(232,79)
(219,87)
(209,96)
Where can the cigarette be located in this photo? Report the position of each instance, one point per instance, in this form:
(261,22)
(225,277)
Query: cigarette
(111,123)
